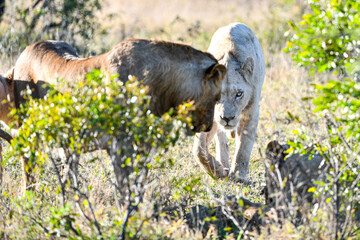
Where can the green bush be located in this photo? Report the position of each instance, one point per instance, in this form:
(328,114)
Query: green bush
(76,121)
(327,41)
(327,38)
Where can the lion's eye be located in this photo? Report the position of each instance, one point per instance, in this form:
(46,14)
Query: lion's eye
(239,94)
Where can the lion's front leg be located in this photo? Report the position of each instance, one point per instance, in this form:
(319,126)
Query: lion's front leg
(245,138)
(202,155)
(222,149)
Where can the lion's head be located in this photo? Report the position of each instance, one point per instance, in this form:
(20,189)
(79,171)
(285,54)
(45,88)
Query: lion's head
(234,47)
(289,176)
(175,73)
(236,92)
(6,96)
(203,115)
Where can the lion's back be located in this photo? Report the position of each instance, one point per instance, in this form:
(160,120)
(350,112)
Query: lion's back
(41,57)
(152,58)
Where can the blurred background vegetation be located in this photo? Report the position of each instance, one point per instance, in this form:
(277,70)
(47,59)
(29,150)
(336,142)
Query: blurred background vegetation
(310,96)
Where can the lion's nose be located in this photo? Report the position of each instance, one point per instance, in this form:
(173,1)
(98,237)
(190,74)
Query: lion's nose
(227,119)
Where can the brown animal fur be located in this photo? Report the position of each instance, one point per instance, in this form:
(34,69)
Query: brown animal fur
(6,103)
(9,100)
(6,96)
(174,73)
(288,178)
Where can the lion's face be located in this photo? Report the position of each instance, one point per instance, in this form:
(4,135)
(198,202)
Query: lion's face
(236,93)
(203,115)
(6,99)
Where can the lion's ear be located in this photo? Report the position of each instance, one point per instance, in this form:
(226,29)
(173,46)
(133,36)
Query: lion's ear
(10,76)
(275,152)
(216,73)
(247,67)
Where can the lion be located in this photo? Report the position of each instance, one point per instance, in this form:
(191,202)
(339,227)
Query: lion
(10,100)
(7,100)
(288,177)
(6,104)
(174,73)
(237,111)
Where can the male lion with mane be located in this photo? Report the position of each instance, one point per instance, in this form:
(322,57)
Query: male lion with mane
(174,73)
(237,111)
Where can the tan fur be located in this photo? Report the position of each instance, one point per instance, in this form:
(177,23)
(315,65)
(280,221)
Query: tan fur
(174,73)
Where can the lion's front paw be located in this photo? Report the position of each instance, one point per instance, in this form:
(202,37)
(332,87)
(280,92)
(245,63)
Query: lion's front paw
(222,172)
(226,172)
(236,177)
